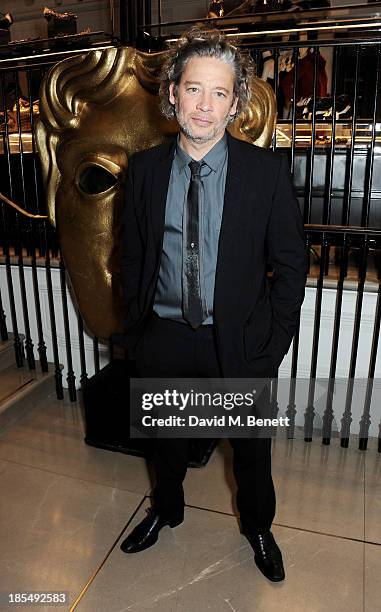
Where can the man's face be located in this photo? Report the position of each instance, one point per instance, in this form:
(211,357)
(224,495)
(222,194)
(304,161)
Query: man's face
(204,100)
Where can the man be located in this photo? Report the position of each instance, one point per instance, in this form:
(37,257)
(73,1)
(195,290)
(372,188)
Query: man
(204,215)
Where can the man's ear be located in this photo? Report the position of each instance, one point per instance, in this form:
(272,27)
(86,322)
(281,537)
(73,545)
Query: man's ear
(172,93)
(233,109)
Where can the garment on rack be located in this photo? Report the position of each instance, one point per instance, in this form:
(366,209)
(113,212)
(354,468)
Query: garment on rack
(305,82)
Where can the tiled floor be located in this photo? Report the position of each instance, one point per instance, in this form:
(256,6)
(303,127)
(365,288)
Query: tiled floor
(65,506)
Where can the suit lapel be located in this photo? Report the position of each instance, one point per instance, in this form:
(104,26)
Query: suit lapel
(234,214)
(160,182)
(235,178)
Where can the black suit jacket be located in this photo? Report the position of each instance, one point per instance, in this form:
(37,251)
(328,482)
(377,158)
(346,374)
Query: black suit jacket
(255,318)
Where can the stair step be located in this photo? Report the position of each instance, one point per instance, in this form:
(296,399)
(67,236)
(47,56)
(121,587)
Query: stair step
(21,389)
(7,351)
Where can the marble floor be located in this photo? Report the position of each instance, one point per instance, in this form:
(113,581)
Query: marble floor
(65,507)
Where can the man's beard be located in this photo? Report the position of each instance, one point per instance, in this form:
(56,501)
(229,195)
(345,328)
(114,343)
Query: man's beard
(185,129)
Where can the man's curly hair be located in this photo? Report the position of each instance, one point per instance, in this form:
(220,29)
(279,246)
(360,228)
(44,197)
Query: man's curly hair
(198,42)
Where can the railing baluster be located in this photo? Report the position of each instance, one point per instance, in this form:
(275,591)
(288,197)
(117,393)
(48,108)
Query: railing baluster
(57,368)
(328,194)
(276,84)
(96,354)
(328,413)
(370,150)
(3,326)
(348,187)
(311,158)
(295,56)
(347,416)
(365,418)
(82,355)
(70,372)
(310,411)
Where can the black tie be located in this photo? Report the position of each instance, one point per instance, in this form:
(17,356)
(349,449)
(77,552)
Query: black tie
(192,304)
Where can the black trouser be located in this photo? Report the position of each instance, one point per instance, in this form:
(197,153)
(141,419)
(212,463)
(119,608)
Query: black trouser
(174,350)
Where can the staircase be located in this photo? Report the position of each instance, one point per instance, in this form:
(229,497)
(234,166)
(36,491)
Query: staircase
(20,388)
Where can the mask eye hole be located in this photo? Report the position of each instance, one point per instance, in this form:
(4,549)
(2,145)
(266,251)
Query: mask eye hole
(94,179)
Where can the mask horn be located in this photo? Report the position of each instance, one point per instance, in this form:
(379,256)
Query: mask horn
(19,209)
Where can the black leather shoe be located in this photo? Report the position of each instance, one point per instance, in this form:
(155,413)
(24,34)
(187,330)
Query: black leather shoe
(267,555)
(146,533)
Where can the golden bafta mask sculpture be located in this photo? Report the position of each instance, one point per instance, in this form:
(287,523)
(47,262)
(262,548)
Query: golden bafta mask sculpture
(96,109)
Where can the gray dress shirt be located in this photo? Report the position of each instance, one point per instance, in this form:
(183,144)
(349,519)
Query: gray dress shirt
(168,296)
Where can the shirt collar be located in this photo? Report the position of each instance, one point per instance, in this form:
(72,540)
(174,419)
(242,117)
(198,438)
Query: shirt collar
(212,159)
